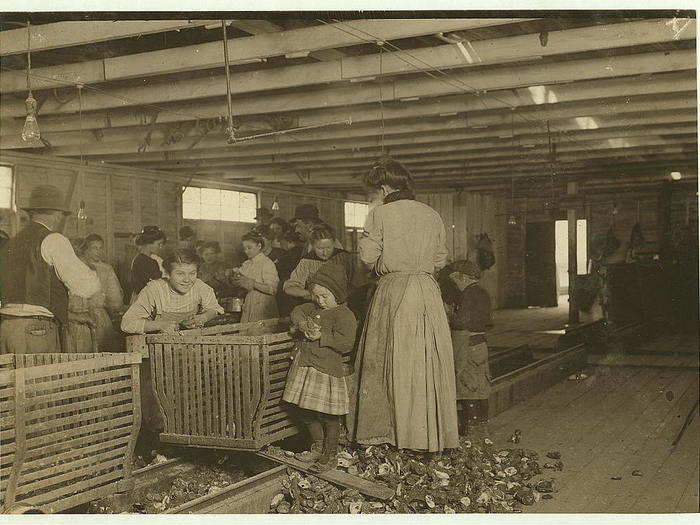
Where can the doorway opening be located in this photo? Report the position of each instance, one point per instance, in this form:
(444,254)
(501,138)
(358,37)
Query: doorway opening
(561,236)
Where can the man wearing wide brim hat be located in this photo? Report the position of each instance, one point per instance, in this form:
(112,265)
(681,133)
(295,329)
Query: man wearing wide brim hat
(263,217)
(40,269)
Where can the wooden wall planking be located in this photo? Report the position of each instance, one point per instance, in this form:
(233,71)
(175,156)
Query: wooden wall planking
(467,214)
(120,200)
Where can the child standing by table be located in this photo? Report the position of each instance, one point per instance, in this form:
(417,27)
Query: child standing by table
(316,382)
(468,307)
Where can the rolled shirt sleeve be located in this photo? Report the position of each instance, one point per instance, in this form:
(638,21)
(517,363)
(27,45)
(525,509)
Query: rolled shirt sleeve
(371,244)
(80,280)
(298,278)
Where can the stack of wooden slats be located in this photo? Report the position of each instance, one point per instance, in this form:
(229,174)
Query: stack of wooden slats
(68,426)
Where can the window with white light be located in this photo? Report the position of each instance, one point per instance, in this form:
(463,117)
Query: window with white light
(218,205)
(5,187)
(355,214)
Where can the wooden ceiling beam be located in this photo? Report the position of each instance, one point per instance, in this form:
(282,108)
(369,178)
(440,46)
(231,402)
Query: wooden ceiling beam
(567,151)
(327,174)
(590,115)
(315,107)
(527,146)
(439,142)
(257,27)
(241,50)
(566,171)
(534,171)
(589,177)
(323,139)
(65,34)
(367,67)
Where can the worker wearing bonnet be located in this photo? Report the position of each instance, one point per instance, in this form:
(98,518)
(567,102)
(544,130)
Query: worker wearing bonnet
(317,382)
(468,308)
(146,266)
(40,268)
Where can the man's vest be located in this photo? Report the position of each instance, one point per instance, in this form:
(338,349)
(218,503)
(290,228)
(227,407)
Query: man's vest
(27,278)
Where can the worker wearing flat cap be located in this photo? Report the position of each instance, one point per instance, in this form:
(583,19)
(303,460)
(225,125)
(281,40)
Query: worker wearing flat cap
(263,217)
(40,269)
(468,307)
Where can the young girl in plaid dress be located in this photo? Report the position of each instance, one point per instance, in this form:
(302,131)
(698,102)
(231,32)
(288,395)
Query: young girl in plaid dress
(316,382)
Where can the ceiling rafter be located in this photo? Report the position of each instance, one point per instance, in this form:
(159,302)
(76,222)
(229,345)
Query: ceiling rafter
(392,63)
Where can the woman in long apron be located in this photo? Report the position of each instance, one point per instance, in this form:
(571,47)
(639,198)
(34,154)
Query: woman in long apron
(405,383)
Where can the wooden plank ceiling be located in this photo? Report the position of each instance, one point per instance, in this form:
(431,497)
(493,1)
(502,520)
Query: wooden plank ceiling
(462,102)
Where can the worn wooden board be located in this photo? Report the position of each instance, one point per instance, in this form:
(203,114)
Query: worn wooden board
(617,420)
(338,477)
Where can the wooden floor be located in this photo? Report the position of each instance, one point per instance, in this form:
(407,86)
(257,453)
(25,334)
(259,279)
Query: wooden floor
(537,327)
(620,419)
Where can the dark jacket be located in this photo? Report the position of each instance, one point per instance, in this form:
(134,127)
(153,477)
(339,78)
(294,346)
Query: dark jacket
(338,330)
(27,278)
(473,312)
(143,270)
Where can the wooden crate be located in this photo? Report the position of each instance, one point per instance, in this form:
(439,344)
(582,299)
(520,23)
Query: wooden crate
(137,343)
(68,427)
(222,390)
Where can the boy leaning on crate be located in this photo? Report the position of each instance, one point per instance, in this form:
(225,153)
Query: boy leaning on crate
(317,382)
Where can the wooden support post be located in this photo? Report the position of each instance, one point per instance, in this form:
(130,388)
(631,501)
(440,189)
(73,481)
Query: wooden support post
(664,221)
(571,214)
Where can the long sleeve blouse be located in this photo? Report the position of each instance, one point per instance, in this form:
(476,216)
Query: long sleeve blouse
(158,299)
(263,271)
(403,236)
(309,265)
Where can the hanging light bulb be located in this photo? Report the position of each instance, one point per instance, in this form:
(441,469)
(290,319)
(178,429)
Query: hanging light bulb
(30,130)
(275,204)
(82,215)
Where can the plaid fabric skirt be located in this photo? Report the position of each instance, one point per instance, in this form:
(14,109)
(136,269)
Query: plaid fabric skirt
(314,390)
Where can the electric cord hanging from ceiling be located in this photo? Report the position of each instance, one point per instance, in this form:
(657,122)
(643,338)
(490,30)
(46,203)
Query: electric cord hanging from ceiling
(381,98)
(80,116)
(30,130)
(230,130)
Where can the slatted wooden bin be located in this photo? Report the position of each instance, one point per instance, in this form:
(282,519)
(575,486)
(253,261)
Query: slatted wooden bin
(68,427)
(222,389)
